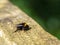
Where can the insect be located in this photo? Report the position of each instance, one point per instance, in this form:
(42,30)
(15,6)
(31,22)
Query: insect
(23,26)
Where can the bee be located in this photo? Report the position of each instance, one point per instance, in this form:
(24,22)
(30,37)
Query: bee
(23,26)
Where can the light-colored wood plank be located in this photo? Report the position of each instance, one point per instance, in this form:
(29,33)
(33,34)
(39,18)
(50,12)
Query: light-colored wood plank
(10,15)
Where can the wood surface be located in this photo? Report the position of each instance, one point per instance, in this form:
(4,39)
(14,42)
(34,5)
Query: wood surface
(10,16)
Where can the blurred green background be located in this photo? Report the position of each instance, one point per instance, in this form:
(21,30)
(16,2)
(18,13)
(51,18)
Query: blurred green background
(45,12)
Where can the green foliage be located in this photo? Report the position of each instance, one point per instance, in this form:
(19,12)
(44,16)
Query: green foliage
(45,12)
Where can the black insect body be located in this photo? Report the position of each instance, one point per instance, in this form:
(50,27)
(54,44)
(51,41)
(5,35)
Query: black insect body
(23,26)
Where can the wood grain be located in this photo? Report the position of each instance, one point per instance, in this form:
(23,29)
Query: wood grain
(10,16)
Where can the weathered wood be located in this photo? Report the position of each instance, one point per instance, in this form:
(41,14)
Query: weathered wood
(3,3)
(10,15)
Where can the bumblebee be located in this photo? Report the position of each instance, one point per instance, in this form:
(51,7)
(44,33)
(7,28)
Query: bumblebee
(23,26)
